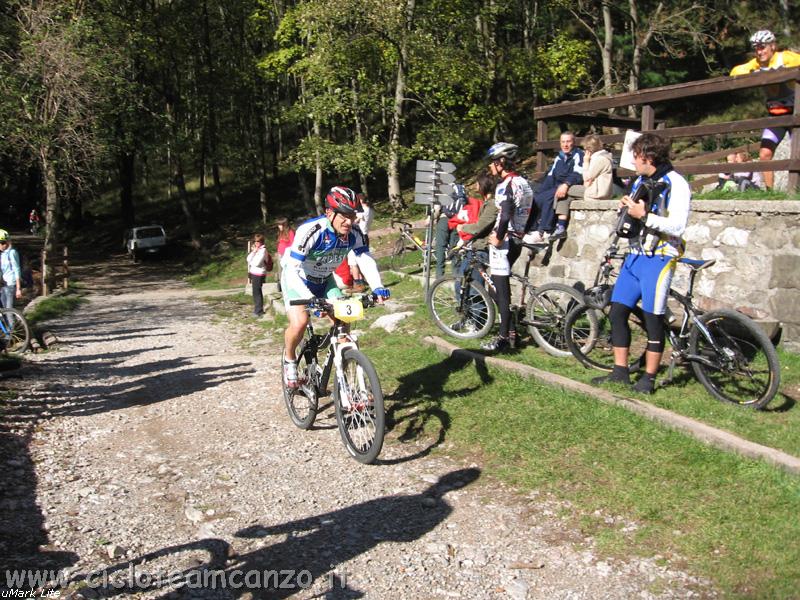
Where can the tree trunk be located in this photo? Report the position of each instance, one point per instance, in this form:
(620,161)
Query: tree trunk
(305,193)
(607,49)
(393,167)
(127,177)
(52,211)
(183,198)
(318,173)
(362,176)
(262,168)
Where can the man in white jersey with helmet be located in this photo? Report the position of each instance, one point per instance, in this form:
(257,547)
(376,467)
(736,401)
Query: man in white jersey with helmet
(513,198)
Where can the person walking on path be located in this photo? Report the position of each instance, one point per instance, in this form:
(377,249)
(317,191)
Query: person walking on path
(259,262)
(780,96)
(11,272)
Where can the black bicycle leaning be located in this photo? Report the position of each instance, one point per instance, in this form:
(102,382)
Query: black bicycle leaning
(729,353)
(542,309)
(587,328)
(357,395)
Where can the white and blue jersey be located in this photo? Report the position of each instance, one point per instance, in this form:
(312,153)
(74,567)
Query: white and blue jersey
(315,254)
(647,272)
(665,231)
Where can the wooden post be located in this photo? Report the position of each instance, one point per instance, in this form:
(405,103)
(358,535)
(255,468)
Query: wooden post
(541,136)
(793,183)
(66,268)
(648,117)
(44,272)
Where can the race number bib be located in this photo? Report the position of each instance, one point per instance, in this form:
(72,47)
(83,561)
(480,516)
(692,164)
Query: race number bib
(348,310)
(498,259)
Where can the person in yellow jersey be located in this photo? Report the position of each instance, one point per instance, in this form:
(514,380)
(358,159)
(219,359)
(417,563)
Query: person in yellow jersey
(780,97)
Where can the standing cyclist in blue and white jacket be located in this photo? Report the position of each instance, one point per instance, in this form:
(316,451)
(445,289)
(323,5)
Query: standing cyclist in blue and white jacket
(320,245)
(647,272)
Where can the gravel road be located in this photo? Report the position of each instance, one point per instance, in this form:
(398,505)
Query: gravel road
(150,456)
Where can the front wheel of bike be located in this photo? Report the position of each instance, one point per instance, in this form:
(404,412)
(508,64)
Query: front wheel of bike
(738,364)
(546,314)
(461,316)
(302,402)
(587,334)
(358,401)
(16,334)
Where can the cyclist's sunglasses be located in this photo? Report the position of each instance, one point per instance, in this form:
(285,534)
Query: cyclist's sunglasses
(759,46)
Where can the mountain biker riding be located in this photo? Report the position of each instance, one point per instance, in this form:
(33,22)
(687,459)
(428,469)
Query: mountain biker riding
(319,247)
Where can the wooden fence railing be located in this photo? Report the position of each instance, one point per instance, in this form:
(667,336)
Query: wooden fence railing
(583,111)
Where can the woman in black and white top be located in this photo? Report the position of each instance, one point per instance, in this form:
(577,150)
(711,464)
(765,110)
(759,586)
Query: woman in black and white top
(259,261)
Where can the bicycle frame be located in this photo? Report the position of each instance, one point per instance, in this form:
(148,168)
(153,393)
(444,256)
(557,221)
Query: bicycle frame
(337,339)
(690,319)
(405,232)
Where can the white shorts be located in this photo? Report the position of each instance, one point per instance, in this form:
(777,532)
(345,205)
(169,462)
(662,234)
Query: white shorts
(498,259)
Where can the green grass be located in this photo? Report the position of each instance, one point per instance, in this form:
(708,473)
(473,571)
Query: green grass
(748,195)
(54,307)
(227,269)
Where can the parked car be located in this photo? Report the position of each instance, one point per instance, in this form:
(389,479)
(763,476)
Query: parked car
(150,239)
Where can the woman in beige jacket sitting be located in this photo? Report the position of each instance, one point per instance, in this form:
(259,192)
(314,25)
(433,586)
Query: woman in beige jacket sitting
(597,180)
(597,176)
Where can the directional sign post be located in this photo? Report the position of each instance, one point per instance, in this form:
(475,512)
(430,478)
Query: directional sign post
(432,188)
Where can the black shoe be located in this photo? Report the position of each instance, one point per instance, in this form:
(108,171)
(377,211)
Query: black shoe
(559,234)
(464,326)
(498,344)
(617,375)
(645,385)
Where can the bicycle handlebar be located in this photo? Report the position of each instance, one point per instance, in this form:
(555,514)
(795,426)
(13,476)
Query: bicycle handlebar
(405,224)
(367,301)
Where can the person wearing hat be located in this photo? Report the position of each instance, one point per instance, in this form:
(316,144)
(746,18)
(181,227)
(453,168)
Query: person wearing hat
(780,96)
(445,235)
(11,273)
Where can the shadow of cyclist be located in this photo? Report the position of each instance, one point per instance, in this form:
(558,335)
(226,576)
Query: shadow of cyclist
(311,548)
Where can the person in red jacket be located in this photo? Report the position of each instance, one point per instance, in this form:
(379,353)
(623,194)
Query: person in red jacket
(468,213)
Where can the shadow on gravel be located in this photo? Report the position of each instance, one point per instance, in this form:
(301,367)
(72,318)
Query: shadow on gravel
(159,381)
(22,532)
(418,400)
(309,549)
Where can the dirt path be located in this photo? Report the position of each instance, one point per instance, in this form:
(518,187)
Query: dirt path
(151,449)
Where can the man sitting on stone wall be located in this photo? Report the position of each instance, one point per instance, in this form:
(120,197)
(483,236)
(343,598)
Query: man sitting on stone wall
(567,170)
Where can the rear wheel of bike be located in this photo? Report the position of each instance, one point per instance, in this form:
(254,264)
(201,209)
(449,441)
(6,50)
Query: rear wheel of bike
(16,334)
(587,333)
(302,402)
(358,400)
(403,255)
(744,367)
(466,317)
(546,314)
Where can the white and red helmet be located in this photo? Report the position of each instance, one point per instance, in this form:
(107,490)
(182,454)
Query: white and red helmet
(342,200)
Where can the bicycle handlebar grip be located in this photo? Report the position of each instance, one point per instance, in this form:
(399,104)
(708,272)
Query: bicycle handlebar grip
(301,301)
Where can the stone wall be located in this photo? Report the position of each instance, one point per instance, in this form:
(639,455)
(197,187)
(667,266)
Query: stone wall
(756,246)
